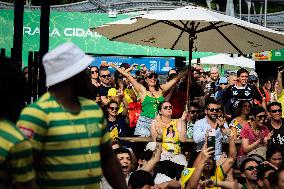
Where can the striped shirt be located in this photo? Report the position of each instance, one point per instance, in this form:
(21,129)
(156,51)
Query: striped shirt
(67,145)
(15,155)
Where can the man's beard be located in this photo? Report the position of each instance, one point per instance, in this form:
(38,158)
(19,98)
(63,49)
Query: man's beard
(212,117)
(194,119)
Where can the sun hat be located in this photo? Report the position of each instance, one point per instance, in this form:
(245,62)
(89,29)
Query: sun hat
(64,62)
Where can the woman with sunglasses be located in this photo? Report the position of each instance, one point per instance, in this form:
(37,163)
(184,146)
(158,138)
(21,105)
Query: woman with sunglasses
(151,95)
(241,118)
(116,123)
(94,72)
(255,134)
(173,131)
(95,83)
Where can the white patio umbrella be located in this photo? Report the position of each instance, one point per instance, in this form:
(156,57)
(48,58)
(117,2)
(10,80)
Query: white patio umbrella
(225,59)
(245,62)
(194,29)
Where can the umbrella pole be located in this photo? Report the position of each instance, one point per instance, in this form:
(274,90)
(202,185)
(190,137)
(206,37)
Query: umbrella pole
(189,73)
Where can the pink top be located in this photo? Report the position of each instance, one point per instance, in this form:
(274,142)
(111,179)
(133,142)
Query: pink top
(247,133)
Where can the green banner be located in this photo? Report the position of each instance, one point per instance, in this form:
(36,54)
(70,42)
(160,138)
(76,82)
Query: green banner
(74,26)
(277,55)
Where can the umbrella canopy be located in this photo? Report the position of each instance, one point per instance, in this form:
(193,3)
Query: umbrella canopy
(194,29)
(225,59)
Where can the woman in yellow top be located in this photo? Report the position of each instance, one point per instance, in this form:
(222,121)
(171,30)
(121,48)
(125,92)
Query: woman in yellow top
(173,131)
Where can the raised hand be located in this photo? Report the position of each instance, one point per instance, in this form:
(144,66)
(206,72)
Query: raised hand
(209,183)
(111,64)
(221,121)
(184,116)
(206,153)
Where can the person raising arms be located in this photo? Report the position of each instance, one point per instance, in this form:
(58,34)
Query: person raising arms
(151,95)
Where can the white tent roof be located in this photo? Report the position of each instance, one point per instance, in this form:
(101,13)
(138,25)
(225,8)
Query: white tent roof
(225,59)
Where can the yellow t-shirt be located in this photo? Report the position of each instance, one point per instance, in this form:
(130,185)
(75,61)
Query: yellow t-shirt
(171,138)
(281,100)
(218,176)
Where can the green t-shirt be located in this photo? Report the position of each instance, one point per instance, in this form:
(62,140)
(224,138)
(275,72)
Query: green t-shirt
(150,106)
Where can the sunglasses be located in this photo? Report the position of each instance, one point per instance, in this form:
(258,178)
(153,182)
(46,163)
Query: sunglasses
(166,107)
(214,109)
(262,117)
(193,111)
(96,71)
(223,83)
(274,111)
(113,108)
(250,168)
(105,76)
(153,75)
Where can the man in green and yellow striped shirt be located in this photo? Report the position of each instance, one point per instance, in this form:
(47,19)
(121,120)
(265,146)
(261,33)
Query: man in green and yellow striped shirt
(15,149)
(72,147)
(15,156)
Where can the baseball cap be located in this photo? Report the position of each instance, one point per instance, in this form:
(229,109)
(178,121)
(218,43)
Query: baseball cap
(64,62)
(223,80)
(252,78)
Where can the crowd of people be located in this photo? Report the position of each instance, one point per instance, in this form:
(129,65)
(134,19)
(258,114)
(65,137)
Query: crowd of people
(73,135)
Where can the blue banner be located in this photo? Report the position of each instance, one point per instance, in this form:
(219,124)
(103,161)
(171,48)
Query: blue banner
(160,65)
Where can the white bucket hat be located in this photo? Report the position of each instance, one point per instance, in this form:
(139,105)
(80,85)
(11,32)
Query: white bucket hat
(64,62)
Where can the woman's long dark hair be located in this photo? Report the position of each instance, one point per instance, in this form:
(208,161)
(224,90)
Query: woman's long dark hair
(90,72)
(13,90)
(240,106)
